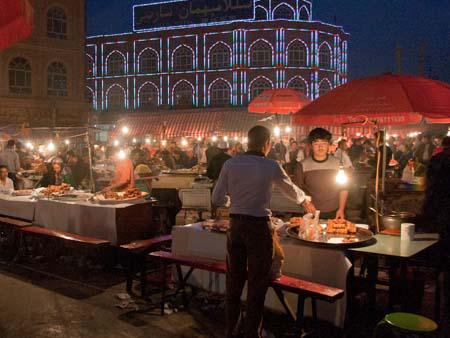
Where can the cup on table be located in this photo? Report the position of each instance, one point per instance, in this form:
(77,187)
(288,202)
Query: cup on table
(407,231)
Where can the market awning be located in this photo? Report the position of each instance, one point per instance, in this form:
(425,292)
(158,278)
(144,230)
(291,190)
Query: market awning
(16,21)
(278,101)
(188,123)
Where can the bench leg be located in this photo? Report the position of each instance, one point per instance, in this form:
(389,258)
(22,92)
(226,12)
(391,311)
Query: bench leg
(182,283)
(300,310)
(130,273)
(284,302)
(163,291)
(143,277)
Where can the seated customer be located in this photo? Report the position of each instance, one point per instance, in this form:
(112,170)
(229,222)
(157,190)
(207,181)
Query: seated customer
(56,175)
(6,184)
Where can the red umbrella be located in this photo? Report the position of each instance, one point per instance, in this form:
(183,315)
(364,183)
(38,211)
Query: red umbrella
(278,101)
(16,21)
(390,99)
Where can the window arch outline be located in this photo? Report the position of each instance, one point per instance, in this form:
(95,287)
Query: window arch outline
(216,45)
(58,23)
(151,84)
(261,8)
(94,99)
(93,70)
(124,92)
(253,81)
(301,79)
(172,58)
(176,85)
(139,59)
(124,60)
(328,82)
(304,9)
(27,86)
(283,4)
(308,62)
(57,80)
(250,49)
(220,79)
(325,44)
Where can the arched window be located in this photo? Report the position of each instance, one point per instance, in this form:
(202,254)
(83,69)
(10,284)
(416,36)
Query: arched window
(261,54)
(283,12)
(258,86)
(183,59)
(220,93)
(116,98)
(324,57)
(148,62)
(148,96)
(183,94)
(115,64)
(297,54)
(298,84)
(261,13)
(303,14)
(57,23)
(89,66)
(219,57)
(56,79)
(324,87)
(89,95)
(19,71)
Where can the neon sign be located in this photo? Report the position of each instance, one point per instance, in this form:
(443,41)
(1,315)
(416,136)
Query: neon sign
(190,12)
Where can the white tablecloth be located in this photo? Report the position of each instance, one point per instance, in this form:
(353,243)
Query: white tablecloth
(82,218)
(327,266)
(17,206)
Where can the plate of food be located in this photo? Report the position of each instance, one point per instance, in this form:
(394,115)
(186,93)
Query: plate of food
(128,196)
(214,225)
(55,190)
(22,192)
(332,233)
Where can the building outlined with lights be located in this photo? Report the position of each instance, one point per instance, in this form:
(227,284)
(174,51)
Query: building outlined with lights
(213,53)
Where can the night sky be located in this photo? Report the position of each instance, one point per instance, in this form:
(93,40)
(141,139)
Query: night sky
(376,28)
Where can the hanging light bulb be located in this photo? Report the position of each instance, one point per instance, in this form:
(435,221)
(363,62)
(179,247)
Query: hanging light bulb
(288,129)
(29,145)
(225,138)
(236,138)
(184,142)
(121,154)
(67,142)
(134,140)
(214,138)
(51,147)
(163,143)
(276,131)
(125,130)
(116,143)
(199,139)
(147,141)
(245,139)
(341,177)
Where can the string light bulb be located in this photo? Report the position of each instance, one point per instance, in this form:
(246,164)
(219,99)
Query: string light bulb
(121,154)
(51,147)
(288,129)
(214,138)
(276,131)
(341,177)
(29,145)
(134,140)
(225,138)
(163,143)
(116,143)
(125,130)
(148,141)
(67,142)
(184,142)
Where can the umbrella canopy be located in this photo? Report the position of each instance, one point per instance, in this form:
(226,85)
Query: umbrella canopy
(16,20)
(390,99)
(278,101)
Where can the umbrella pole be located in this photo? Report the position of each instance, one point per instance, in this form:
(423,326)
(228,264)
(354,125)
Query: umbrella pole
(377,185)
(383,168)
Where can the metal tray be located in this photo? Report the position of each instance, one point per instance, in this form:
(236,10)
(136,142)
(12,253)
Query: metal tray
(361,238)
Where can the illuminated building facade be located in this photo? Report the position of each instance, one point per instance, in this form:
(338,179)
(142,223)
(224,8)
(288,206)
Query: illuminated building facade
(212,53)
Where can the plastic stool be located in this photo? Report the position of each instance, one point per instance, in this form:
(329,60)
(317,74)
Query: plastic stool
(402,324)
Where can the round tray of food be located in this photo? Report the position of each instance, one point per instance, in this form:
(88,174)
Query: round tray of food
(330,233)
(216,225)
(131,195)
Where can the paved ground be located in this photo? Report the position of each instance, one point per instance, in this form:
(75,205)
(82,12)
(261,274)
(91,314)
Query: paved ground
(83,304)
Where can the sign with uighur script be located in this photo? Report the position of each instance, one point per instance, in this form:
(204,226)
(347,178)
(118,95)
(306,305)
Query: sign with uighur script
(190,13)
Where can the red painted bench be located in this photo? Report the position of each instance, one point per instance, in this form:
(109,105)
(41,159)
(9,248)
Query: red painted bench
(41,231)
(136,252)
(304,289)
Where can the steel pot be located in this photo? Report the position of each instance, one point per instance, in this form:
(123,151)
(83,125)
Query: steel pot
(394,220)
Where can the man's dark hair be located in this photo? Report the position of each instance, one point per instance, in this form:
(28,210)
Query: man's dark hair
(258,137)
(3,167)
(10,143)
(341,142)
(71,153)
(319,134)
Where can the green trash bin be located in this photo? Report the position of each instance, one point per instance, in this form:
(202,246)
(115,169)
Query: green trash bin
(404,325)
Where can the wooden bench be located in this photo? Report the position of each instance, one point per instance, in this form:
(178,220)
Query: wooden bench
(302,288)
(137,252)
(14,222)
